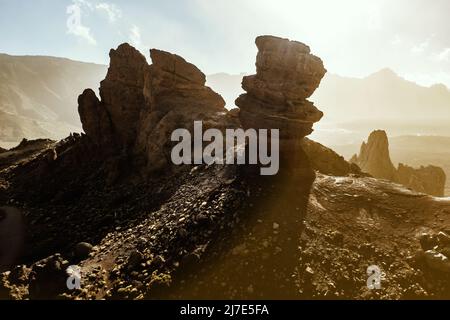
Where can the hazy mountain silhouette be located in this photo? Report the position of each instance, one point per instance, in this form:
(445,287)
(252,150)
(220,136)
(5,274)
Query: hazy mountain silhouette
(38,95)
(381,95)
(38,98)
(354,107)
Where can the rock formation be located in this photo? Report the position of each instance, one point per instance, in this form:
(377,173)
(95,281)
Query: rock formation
(286,75)
(374,156)
(326,161)
(374,159)
(142,104)
(176,94)
(263,245)
(429,179)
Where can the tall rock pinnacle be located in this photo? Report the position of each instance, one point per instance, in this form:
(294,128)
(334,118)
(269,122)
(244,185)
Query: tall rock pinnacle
(286,75)
(374,156)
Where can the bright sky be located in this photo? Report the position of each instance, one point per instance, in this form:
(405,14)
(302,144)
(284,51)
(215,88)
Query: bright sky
(353,37)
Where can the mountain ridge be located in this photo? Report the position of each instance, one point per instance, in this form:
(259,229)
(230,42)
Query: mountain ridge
(38,95)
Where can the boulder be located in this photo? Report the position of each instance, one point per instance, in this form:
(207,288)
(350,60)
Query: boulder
(437,261)
(82,250)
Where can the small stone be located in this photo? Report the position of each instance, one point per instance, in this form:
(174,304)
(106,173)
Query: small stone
(158,261)
(427,241)
(337,237)
(134,259)
(309,271)
(82,250)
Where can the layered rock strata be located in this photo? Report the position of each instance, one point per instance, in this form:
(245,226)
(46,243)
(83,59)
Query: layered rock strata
(276,96)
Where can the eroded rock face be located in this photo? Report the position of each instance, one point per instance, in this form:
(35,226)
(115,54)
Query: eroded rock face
(95,119)
(142,104)
(374,159)
(286,75)
(430,179)
(258,257)
(122,92)
(176,93)
(327,161)
(374,156)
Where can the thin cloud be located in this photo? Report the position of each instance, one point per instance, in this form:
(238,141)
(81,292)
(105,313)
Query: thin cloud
(135,39)
(444,55)
(135,36)
(74,24)
(420,48)
(112,11)
(397,40)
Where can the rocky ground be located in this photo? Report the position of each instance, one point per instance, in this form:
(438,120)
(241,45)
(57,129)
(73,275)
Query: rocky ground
(353,223)
(167,245)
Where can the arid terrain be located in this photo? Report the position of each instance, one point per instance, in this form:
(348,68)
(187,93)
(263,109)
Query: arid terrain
(110,201)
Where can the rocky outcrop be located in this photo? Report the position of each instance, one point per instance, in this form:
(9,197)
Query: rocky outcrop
(176,94)
(142,104)
(286,75)
(429,179)
(374,156)
(327,161)
(95,120)
(264,244)
(374,159)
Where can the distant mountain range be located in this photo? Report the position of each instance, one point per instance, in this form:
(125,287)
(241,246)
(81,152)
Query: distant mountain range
(38,95)
(383,95)
(354,107)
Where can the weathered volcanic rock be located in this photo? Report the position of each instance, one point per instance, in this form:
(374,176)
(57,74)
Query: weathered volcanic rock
(286,74)
(122,91)
(430,179)
(327,161)
(258,256)
(285,71)
(374,156)
(374,159)
(142,104)
(177,95)
(95,119)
